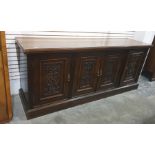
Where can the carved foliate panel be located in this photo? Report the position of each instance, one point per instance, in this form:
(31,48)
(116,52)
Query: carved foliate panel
(86,74)
(52,83)
(133,67)
(111,68)
(134,62)
(53,77)
(87,71)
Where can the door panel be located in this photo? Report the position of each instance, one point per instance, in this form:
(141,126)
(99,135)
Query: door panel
(86,74)
(132,67)
(54,80)
(110,71)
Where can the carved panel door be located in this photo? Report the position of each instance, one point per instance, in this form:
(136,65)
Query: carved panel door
(54,79)
(86,74)
(110,70)
(132,67)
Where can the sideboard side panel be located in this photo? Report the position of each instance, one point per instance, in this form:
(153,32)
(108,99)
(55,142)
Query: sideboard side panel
(24,81)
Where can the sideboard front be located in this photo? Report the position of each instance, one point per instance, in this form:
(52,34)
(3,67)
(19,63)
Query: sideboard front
(60,79)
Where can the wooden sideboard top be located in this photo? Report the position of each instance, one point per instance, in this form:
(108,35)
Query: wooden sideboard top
(34,45)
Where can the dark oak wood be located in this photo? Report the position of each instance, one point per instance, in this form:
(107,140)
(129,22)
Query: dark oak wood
(52,77)
(149,68)
(5,96)
(65,74)
(64,104)
(85,77)
(133,66)
(110,70)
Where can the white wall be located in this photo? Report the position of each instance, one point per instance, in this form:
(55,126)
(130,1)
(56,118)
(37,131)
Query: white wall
(144,36)
(12,54)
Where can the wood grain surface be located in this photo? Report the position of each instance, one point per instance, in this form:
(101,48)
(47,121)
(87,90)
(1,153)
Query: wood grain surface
(5,97)
(32,45)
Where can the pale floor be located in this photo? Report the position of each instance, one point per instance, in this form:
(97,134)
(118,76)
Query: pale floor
(134,107)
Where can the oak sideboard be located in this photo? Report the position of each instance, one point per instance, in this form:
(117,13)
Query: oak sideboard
(58,73)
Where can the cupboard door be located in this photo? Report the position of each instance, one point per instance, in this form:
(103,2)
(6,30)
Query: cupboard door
(133,67)
(54,79)
(86,74)
(110,69)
